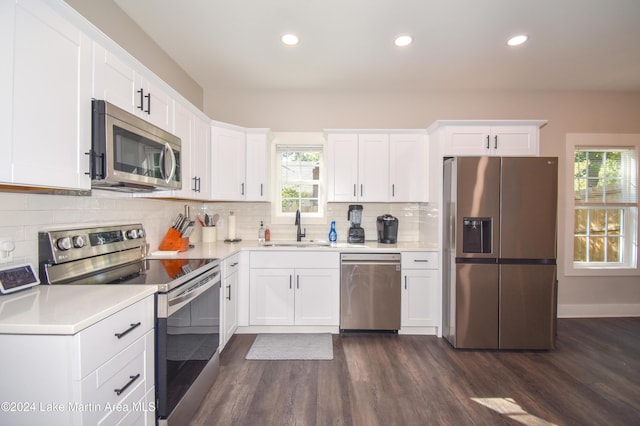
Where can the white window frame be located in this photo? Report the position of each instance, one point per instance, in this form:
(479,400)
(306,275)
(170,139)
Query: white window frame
(595,142)
(298,141)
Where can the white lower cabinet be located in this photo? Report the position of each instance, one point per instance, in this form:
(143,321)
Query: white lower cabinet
(101,375)
(420,290)
(307,292)
(229,298)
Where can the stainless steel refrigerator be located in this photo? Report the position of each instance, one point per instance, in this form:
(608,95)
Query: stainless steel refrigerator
(499,267)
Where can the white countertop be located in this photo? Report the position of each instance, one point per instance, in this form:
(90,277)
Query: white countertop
(220,249)
(65,309)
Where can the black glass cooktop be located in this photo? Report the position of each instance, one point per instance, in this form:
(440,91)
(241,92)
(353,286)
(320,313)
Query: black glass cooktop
(162,271)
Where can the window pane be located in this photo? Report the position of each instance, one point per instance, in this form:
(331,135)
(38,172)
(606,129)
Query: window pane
(290,205)
(596,249)
(613,250)
(580,249)
(309,206)
(581,221)
(614,222)
(597,221)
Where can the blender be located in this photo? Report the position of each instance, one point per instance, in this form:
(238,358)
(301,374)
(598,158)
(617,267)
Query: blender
(356,232)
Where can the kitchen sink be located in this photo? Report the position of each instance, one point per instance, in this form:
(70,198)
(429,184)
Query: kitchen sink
(297,244)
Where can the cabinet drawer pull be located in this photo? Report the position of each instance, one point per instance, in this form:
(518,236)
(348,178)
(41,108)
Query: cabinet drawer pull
(290,281)
(148,96)
(495,143)
(298,281)
(122,389)
(405,282)
(421,260)
(229,292)
(354,190)
(393,190)
(488,141)
(127,331)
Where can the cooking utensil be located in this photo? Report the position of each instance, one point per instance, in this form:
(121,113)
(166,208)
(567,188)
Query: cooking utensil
(188,229)
(215,218)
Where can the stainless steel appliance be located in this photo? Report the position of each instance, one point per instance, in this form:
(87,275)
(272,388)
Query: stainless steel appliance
(387,227)
(500,252)
(187,304)
(356,232)
(131,154)
(370,287)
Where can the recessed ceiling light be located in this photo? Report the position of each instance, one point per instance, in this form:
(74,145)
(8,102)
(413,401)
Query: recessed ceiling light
(517,40)
(290,39)
(403,40)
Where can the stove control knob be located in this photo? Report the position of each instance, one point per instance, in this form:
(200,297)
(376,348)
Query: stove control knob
(132,234)
(64,244)
(140,233)
(78,241)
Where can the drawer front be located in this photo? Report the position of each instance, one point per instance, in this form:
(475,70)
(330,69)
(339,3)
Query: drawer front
(420,260)
(102,341)
(295,259)
(127,372)
(231,265)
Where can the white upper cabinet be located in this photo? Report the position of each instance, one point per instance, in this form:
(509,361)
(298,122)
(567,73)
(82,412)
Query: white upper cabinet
(119,82)
(373,167)
(358,167)
(408,167)
(377,167)
(499,138)
(258,161)
(46,68)
(342,162)
(194,134)
(228,162)
(7,24)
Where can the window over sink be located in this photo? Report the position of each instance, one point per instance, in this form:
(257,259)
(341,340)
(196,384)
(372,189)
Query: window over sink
(299,181)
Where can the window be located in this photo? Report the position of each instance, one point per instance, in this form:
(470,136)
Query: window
(299,177)
(604,229)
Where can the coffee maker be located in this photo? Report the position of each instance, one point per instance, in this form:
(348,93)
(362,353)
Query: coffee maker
(356,232)
(387,226)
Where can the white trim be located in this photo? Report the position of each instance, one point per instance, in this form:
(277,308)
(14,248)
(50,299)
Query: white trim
(598,310)
(584,140)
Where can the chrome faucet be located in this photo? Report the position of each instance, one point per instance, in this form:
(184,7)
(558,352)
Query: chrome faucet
(300,235)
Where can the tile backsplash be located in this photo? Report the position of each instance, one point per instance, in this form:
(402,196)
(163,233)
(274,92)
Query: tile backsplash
(23,215)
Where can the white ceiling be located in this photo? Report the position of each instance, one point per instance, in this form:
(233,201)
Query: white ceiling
(348,44)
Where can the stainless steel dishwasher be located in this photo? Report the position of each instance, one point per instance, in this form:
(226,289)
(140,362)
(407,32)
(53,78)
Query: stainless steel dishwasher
(370,287)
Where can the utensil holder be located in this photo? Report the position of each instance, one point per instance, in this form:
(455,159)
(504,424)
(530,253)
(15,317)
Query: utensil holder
(173,241)
(209,234)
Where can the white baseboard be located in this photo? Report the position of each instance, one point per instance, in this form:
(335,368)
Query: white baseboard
(598,310)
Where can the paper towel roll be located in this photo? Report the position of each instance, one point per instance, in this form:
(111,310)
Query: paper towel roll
(232,226)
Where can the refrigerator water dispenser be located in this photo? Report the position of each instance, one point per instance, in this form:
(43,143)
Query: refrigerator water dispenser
(476,235)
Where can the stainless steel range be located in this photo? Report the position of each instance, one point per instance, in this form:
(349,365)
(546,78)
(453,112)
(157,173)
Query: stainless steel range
(187,304)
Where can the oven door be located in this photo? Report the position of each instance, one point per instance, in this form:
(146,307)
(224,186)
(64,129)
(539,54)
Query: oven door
(187,336)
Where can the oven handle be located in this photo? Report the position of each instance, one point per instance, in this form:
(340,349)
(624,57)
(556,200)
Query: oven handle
(185,298)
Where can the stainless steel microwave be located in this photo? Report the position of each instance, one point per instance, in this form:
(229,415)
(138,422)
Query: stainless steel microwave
(131,154)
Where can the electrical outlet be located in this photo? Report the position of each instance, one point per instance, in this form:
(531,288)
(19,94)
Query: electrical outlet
(7,246)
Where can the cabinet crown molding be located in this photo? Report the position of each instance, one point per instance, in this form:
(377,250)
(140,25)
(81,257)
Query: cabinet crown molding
(440,123)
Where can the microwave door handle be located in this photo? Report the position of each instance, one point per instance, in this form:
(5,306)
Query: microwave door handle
(169,176)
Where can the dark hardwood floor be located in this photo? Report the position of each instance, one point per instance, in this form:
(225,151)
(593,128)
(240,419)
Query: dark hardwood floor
(591,378)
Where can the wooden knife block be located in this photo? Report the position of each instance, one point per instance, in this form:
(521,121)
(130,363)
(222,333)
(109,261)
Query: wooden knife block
(173,241)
